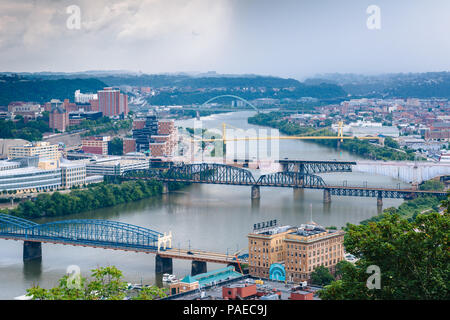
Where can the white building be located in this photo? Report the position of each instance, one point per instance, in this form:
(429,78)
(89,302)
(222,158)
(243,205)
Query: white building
(30,179)
(73,173)
(85,97)
(115,166)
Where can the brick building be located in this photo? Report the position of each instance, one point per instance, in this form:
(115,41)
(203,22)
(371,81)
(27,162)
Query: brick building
(299,250)
(158,138)
(129,145)
(112,103)
(95,145)
(58,119)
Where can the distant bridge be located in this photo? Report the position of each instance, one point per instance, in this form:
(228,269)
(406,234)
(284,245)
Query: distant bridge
(107,235)
(303,177)
(411,172)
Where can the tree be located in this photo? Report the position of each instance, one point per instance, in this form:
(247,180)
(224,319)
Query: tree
(412,256)
(115,147)
(321,276)
(106,284)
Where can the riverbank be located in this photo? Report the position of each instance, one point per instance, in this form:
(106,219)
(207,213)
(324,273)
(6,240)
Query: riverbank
(81,200)
(411,208)
(359,147)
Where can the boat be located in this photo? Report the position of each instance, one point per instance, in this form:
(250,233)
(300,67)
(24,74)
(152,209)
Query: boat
(169,278)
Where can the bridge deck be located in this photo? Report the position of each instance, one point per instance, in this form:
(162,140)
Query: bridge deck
(371,191)
(197,255)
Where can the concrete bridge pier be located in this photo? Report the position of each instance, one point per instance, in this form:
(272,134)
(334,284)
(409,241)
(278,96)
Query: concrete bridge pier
(32,250)
(163,265)
(256,192)
(298,193)
(165,188)
(326,196)
(198,267)
(256,204)
(379,200)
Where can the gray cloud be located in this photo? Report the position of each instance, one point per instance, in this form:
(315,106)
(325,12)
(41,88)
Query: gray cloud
(286,38)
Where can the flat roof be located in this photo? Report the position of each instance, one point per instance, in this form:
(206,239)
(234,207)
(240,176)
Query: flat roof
(27,170)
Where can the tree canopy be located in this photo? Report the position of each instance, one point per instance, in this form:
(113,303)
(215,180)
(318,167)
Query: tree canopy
(105,284)
(413,257)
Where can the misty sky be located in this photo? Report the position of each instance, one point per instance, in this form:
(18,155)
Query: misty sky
(283,38)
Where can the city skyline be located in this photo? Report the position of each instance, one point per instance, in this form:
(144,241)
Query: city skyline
(299,39)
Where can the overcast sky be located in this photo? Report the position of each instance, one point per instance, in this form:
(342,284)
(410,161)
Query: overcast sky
(285,38)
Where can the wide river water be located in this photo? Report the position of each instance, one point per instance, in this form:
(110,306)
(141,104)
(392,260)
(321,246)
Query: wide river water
(214,217)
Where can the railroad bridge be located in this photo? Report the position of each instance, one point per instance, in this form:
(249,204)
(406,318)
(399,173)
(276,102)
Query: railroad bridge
(295,174)
(107,235)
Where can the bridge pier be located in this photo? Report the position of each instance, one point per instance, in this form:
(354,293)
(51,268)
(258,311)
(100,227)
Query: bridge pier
(198,267)
(298,193)
(32,250)
(256,192)
(256,204)
(165,187)
(380,201)
(326,196)
(163,265)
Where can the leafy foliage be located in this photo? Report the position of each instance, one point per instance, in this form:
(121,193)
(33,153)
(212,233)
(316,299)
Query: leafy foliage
(413,257)
(95,197)
(106,284)
(20,88)
(31,130)
(115,147)
(432,185)
(321,276)
(410,209)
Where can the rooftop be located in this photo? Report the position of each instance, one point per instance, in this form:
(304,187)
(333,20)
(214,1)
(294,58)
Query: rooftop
(214,276)
(24,171)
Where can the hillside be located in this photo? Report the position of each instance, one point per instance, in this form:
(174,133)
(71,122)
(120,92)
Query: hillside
(21,88)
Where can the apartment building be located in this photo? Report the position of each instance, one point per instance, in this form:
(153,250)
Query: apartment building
(111,102)
(299,250)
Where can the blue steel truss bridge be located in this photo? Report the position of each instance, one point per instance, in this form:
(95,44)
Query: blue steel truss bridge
(107,235)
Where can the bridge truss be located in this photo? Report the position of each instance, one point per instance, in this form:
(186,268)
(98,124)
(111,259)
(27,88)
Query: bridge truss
(298,174)
(86,232)
(312,167)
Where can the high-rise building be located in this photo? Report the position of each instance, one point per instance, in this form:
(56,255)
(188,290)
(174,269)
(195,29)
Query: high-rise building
(156,138)
(143,134)
(112,103)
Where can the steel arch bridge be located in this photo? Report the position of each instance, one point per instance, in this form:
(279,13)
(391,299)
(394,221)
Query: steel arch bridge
(84,232)
(232,96)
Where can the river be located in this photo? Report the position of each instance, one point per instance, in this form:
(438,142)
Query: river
(214,217)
